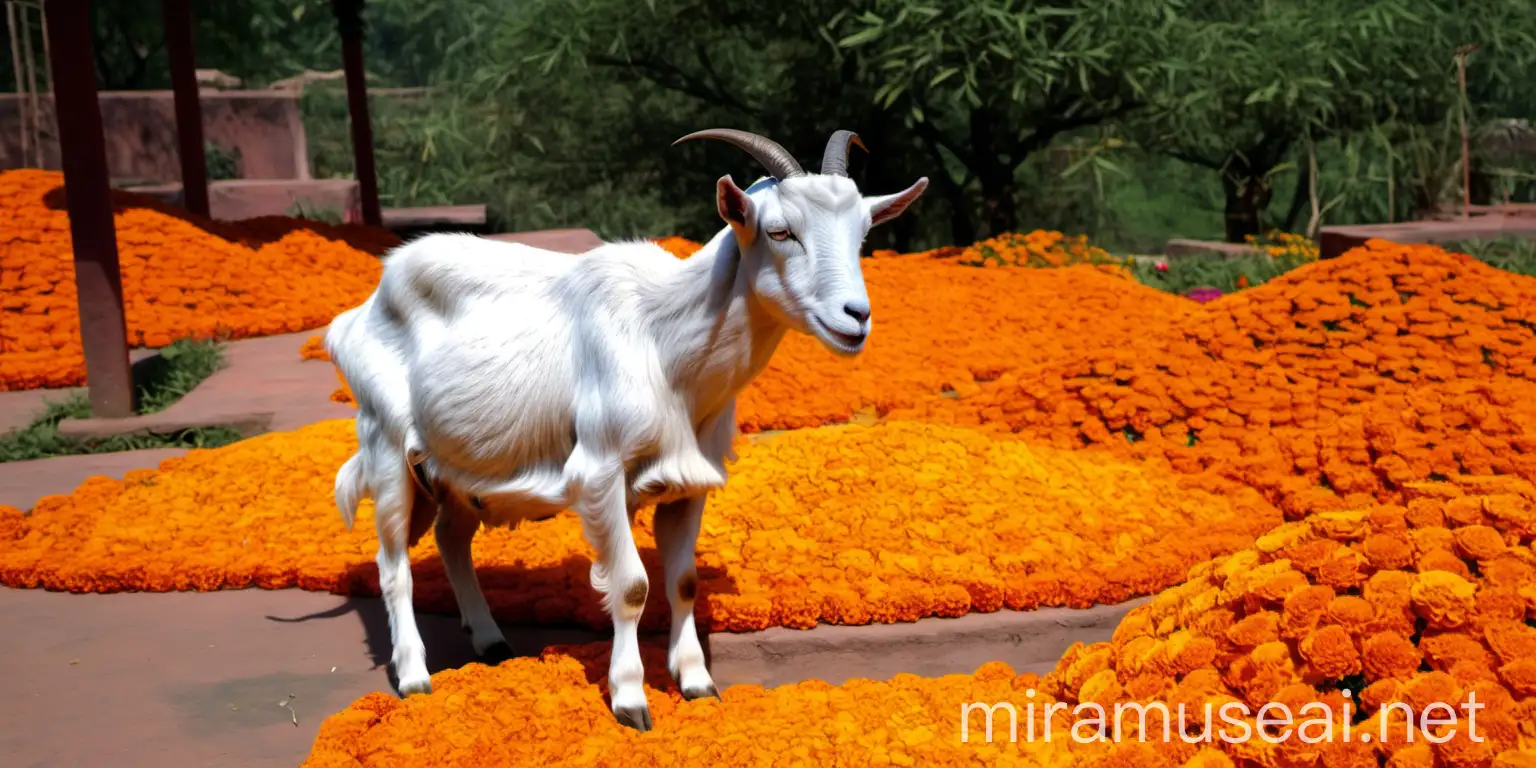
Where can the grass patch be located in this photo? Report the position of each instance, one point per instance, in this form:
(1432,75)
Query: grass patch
(162,381)
(1511,254)
(176,371)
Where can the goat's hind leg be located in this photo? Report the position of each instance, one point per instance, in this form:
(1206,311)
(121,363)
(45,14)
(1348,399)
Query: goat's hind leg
(455,534)
(396,498)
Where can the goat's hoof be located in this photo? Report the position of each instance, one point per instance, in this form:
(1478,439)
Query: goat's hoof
(413,687)
(498,652)
(702,692)
(638,718)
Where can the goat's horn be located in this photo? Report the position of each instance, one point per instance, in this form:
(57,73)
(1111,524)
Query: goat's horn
(834,162)
(779,162)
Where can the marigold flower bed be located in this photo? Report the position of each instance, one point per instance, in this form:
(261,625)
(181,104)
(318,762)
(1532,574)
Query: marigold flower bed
(182,277)
(546,712)
(1430,601)
(1403,606)
(847,525)
(1333,385)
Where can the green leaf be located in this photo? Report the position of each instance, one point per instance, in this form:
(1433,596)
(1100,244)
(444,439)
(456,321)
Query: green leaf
(866,35)
(943,75)
(1266,93)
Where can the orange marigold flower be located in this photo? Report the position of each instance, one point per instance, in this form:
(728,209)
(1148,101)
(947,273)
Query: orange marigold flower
(1510,640)
(1442,598)
(1520,676)
(1303,609)
(1388,655)
(1387,551)
(1479,542)
(1331,652)
(1255,630)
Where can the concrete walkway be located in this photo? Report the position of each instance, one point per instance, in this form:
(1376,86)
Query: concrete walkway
(264,381)
(206,678)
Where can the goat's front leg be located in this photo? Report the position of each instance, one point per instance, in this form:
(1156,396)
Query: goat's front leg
(677,533)
(620,576)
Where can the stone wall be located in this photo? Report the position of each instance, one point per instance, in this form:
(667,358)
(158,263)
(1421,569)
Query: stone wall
(265,127)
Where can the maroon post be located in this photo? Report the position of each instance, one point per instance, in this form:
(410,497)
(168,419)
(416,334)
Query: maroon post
(349,23)
(88,192)
(177,17)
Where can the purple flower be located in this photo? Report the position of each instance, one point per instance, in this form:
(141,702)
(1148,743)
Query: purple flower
(1202,294)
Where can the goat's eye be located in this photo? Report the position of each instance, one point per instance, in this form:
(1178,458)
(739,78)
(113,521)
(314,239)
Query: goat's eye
(780,234)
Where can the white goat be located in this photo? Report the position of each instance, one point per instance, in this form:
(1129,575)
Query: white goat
(498,382)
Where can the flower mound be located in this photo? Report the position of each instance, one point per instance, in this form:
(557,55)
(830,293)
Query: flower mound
(1409,605)
(1040,248)
(545,712)
(1404,606)
(849,525)
(182,277)
(1333,385)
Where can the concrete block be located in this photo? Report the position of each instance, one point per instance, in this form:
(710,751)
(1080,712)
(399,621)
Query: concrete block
(1180,247)
(1334,241)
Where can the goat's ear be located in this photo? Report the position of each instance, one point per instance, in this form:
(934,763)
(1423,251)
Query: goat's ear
(887,207)
(735,207)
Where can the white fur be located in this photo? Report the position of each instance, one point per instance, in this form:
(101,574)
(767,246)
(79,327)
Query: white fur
(524,382)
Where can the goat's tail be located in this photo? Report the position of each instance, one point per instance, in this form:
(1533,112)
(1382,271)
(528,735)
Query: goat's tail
(350,489)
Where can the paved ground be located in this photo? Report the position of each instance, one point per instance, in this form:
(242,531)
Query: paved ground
(188,679)
(263,378)
(266,375)
(194,679)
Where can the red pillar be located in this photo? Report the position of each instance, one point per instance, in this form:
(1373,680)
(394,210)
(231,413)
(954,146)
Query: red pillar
(349,23)
(88,191)
(177,17)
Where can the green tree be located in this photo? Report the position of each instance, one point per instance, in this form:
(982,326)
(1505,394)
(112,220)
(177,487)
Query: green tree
(959,90)
(1261,84)
(261,41)
(986,85)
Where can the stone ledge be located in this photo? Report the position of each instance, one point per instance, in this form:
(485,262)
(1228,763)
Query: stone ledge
(236,199)
(1029,641)
(1334,241)
(562,240)
(434,215)
(247,423)
(1180,247)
